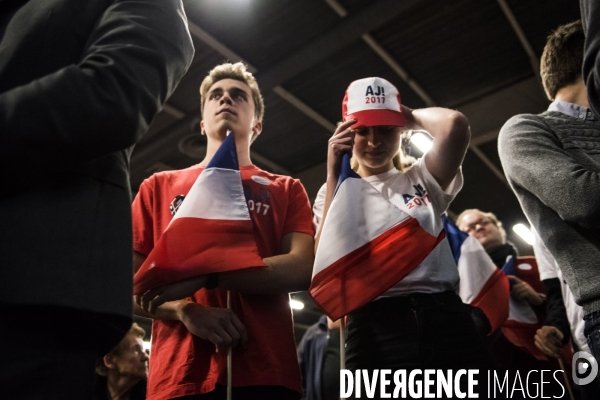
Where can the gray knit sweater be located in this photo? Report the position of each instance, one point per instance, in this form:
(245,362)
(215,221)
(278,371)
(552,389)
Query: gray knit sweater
(552,162)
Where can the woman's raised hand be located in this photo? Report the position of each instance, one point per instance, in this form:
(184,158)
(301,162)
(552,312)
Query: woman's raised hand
(340,143)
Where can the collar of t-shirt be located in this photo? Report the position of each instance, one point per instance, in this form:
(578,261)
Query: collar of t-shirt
(384,176)
(572,110)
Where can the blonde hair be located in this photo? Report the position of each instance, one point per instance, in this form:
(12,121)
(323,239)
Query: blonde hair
(239,72)
(135,330)
(492,217)
(402,160)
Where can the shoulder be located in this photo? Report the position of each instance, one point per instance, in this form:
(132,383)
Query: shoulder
(521,122)
(416,172)
(166,177)
(527,128)
(271,176)
(314,331)
(165,180)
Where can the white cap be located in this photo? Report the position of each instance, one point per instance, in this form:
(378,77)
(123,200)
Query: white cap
(373,102)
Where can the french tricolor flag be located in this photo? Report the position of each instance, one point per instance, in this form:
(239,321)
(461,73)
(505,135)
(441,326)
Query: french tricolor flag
(211,231)
(367,245)
(522,323)
(482,284)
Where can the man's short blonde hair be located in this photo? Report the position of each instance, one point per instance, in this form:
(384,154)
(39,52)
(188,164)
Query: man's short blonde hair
(492,217)
(237,71)
(135,330)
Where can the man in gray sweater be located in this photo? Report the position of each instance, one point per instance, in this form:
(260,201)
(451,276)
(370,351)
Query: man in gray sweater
(552,162)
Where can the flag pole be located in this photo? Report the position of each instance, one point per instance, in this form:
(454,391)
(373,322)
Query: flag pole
(562,367)
(229,355)
(342,344)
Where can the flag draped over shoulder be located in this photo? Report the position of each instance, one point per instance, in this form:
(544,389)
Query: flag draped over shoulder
(485,286)
(482,284)
(367,244)
(211,231)
(522,323)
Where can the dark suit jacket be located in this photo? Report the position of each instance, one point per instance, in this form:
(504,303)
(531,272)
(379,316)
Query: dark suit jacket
(590,17)
(80,81)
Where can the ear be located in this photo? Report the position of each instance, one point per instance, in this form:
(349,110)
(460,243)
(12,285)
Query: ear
(108,361)
(202,128)
(257,129)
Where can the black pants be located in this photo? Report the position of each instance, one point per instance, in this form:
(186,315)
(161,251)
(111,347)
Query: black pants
(419,331)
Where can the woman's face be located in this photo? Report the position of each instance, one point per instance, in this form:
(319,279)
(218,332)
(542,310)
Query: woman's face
(375,147)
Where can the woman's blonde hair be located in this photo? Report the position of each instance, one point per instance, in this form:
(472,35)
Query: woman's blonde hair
(402,160)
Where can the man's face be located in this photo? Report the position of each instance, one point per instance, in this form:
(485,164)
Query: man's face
(482,228)
(229,106)
(132,360)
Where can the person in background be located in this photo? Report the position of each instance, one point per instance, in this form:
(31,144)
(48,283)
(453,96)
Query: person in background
(80,82)
(489,231)
(319,359)
(548,338)
(558,152)
(122,373)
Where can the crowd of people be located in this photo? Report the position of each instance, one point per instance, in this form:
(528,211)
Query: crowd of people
(73,275)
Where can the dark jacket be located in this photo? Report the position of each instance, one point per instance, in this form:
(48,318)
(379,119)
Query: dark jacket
(590,17)
(138,392)
(311,354)
(80,82)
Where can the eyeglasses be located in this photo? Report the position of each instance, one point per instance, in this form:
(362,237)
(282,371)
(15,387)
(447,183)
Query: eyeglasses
(472,227)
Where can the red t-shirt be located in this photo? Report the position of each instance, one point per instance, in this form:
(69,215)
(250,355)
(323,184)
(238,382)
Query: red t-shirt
(183,364)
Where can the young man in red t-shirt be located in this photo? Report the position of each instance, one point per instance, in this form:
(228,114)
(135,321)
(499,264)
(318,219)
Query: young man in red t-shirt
(190,336)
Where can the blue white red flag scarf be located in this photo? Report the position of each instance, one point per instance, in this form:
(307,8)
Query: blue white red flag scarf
(522,323)
(367,245)
(485,286)
(211,231)
(482,284)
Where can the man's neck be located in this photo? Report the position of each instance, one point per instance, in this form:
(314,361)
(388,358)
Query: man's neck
(119,387)
(242,149)
(575,93)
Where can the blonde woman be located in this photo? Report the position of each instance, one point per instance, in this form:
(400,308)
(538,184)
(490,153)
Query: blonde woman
(420,322)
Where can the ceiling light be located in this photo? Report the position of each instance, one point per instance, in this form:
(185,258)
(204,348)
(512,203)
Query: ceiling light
(421,140)
(525,233)
(296,305)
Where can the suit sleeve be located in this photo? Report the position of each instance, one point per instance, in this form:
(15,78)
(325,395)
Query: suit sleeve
(142,210)
(132,61)
(535,162)
(590,15)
